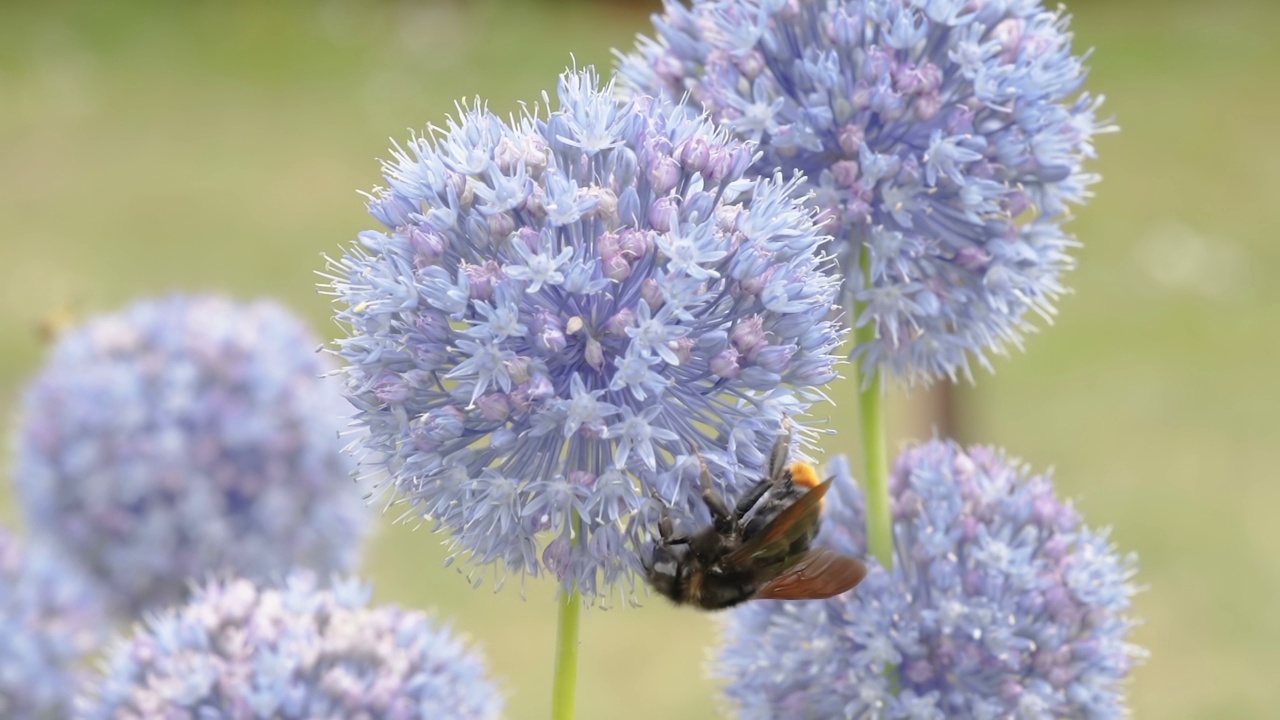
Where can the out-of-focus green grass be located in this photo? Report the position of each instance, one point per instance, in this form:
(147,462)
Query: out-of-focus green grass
(147,147)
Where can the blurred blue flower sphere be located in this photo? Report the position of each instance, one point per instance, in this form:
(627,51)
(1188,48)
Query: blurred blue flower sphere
(184,436)
(564,309)
(296,652)
(942,139)
(50,621)
(1000,605)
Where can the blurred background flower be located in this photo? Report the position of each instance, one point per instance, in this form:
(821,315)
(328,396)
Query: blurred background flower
(292,652)
(186,436)
(566,309)
(50,622)
(151,146)
(947,138)
(1001,603)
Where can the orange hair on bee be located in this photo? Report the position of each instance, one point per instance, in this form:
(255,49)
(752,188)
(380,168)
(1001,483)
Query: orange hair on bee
(804,475)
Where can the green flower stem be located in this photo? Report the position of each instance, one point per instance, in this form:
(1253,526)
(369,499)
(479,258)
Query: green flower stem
(871,413)
(565,683)
(566,677)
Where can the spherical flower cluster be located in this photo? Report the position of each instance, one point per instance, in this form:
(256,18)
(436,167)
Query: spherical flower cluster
(292,653)
(50,620)
(185,436)
(1000,605)
(943,141)
(563,311)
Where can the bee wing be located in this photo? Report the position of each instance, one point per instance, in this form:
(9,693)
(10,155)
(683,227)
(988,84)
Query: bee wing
(777,535)
(820,574)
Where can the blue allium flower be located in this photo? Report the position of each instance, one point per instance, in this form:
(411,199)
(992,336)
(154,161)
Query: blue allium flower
(944,136)
(295,652)
(50,620)
(563,310)
(1000,605)
(185,436)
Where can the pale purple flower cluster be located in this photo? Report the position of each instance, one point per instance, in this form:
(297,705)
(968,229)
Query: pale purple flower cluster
(943,137)
(563,310)
(295,652)
(185,436)
(1000,605)
(50,621)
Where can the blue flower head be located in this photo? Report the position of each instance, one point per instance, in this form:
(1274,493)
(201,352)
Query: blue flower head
(1001,604)
(562,311)
(184,436)
(942,138)
(50,621)
(298,651)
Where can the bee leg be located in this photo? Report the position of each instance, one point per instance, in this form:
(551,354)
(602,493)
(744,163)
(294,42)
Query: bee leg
(667,531)
(749,500)
(781,450)
(723,520)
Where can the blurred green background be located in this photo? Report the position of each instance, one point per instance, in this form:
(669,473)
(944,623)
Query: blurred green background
(147,147)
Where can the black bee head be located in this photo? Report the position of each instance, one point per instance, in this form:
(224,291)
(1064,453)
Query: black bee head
(667,571)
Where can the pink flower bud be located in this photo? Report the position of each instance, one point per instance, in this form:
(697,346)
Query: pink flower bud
(695,153)
(617,325)
(845,173)
(635,244)
(494,407)
(664,175)
(501,225)
(652,294)
(428,247)
(748,335)
(662,216)
(725,364)
(616,267)
(482,279)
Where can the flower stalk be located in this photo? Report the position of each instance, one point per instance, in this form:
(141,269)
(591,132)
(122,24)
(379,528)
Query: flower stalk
(565,682)
(871,417)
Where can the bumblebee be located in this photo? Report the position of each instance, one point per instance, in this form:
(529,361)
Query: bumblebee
(759,549)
